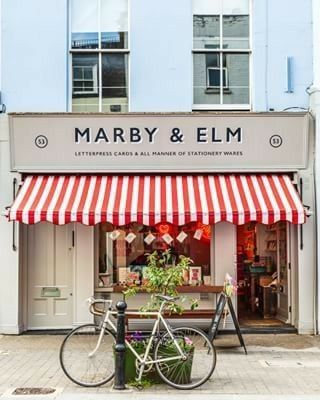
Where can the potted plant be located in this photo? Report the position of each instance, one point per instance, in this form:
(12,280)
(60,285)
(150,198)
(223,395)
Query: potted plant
(162,277)
(167,349)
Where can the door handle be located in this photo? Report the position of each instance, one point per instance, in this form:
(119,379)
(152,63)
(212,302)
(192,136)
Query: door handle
(70,294)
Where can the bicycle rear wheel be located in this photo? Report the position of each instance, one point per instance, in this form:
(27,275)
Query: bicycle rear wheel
(200,360)
(81,363)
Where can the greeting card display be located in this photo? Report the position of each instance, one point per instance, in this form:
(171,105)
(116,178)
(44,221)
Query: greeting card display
(130,237)
(198,234)
(114,235)
(149,238)
(122,275)
(195,275)
(167,238)
(182,236)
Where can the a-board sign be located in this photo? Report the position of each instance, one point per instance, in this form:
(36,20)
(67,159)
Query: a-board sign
(221,304)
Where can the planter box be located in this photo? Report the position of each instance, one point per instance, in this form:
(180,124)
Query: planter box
(130,366)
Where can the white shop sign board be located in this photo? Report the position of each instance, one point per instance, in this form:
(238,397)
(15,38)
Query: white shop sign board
(146,143)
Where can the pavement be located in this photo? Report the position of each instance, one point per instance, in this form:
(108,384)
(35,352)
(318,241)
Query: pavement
(283,366)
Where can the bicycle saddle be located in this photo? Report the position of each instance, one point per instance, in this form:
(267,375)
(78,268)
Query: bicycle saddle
(166,298)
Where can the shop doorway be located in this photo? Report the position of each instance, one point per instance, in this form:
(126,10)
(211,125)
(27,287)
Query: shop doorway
(49,276)
(264,275)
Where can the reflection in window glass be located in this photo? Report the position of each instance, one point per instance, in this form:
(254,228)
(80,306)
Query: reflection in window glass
(237,66)
(236,31)
(99,76)
(85,82)
(219,76)
(114,24)
(206,74)
(235,7)
(84,24)
(206,31)
(114,82)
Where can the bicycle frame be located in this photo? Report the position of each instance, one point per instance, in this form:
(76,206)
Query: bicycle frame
(143,360)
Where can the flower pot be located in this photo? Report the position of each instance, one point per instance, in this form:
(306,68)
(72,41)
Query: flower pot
(130,367)
(182,374)
(166,352)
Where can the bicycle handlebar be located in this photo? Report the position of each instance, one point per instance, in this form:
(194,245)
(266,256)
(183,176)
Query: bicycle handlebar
(94,302)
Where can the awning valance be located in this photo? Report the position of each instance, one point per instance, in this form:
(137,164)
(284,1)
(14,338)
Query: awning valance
(177,199)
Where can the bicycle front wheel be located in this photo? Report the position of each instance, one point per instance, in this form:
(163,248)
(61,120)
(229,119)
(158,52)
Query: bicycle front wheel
(200,360)
(82,361)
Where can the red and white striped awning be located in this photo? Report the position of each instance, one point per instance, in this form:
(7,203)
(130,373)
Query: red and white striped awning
(177,199)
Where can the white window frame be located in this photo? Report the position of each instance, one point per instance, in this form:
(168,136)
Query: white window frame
(224,73)
(99,51)
(94,79)
(221,51)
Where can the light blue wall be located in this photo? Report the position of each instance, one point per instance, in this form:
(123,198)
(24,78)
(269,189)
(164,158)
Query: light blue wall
(34,55)
(281,28)
(160,57)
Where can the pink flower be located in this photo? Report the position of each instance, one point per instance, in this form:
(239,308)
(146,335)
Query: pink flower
(188,341)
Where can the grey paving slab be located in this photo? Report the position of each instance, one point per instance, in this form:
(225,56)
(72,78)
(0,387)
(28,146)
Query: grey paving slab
(281,366)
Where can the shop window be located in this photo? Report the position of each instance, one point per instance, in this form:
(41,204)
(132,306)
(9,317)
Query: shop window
(100,74)
(221,38)
(122,251)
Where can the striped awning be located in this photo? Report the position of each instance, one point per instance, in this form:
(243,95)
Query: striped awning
(176,199)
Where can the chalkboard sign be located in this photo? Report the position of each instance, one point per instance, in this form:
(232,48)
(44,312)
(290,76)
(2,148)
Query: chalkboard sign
(213,330)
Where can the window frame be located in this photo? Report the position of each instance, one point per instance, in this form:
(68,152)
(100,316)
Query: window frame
(224,72)
(94,80)
(223,51)
(99,51)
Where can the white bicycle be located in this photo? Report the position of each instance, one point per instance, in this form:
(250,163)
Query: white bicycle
(183,357)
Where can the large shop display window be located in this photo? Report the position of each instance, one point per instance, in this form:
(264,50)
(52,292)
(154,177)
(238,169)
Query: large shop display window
(122,252)
(263,271)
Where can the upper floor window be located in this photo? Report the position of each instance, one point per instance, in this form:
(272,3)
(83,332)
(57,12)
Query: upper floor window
(99,49)
(221,52)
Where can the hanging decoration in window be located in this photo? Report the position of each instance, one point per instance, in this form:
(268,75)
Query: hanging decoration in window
(167,238)
(149,238)
(114,235)
(198,234)
(164,228)
(130,237)
(181,237)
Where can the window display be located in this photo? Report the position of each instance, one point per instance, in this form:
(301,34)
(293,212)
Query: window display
(122,251)
(262,271)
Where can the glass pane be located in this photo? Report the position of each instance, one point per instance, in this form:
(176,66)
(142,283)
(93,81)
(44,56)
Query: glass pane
(213,78)
(236,31)
(114,24)
(205,66)
(126,260)
(114,82)
(206,31)
(85,90)
(235,7)
(207,7)
(84,24)
(237,78)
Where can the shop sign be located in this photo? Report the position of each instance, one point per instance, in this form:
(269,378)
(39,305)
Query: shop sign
(208,142)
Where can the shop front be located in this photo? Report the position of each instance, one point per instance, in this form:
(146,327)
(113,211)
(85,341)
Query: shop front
(234,192)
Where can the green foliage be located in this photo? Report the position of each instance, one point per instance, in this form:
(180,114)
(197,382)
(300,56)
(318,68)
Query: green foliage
(161,277)
(144,383)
